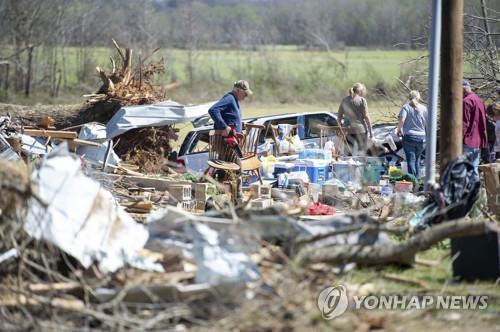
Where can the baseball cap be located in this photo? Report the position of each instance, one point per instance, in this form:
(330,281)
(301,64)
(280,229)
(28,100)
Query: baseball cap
(243,85)
(466,83)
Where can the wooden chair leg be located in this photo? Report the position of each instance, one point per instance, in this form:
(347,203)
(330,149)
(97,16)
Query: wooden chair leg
(259,176)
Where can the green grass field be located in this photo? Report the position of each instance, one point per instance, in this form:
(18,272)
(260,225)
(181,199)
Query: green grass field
(281,74)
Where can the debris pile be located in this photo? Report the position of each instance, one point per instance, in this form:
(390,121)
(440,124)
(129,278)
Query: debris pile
(89,242)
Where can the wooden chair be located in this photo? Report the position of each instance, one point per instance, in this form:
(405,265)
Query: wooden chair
(327,133)
(221,157)
(249,143)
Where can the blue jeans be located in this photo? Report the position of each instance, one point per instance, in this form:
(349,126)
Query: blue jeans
(474,157)
(413,147)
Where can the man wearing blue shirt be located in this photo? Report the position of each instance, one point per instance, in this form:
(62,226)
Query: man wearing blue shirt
(226,114)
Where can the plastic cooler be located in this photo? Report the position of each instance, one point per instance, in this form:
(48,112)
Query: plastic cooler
(316,169)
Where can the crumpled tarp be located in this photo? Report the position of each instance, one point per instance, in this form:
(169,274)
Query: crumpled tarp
(155,115)
(81,217)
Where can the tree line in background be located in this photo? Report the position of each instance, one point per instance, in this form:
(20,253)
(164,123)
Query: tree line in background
(41,32)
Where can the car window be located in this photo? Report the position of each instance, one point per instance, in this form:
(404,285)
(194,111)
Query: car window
(200,143)
(313,120)
(267,133)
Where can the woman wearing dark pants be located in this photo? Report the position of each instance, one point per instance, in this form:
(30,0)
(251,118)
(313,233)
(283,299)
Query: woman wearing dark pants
(412,126)
(353,111)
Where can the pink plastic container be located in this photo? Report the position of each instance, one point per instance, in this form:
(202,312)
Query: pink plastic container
(403,186)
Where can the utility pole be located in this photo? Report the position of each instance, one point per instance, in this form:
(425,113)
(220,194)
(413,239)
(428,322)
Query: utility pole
(451,136)
(434,53)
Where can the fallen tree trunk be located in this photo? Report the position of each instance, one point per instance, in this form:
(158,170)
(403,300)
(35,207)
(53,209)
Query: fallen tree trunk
(403,253)
(64,115)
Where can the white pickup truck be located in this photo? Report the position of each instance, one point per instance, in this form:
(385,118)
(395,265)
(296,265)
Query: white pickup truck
(193,153)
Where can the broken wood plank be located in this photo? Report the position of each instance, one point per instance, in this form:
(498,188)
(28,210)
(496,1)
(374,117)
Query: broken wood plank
(50,133)
(78,141)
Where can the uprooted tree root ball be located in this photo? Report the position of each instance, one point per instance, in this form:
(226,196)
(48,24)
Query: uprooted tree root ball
(147,148)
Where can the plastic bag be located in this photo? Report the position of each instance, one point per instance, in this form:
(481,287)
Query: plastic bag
(296,144)
(283,146)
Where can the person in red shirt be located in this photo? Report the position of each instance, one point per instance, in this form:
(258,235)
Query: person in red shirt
(474,126)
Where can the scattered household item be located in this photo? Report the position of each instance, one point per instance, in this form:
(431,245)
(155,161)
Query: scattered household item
(372,173)
(347,171)
(281,135)
(316,169)
(222,159)
(458,192)
(403,186)
(332,138)
(386,191)
(319,209)
(282,167)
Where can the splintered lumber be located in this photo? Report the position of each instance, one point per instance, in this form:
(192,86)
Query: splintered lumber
(50,133)
(402,253)
(73,144)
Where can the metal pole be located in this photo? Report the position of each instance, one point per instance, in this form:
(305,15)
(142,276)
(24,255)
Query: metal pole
(434,51)
(451,116)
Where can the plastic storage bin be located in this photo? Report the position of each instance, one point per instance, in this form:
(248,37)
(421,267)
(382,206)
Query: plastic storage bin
(372,173)
(347,172)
